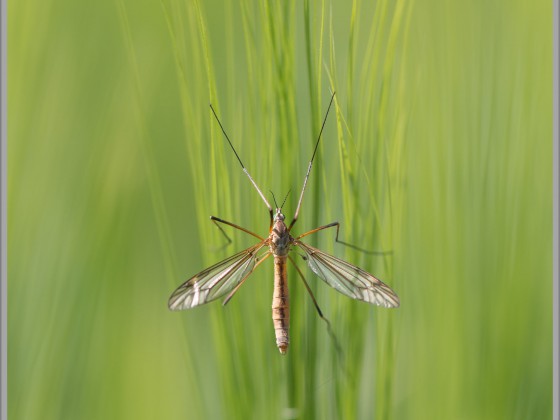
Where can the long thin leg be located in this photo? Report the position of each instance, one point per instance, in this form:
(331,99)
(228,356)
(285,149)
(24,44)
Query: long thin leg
(228,239)
(309,291)
(243,166)
(225,222)
(309,167)
(330,225)
(333,224)
(227,299)
(329,329)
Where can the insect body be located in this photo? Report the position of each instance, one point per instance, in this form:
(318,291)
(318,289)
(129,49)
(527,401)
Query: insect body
(280,242)
(227,276)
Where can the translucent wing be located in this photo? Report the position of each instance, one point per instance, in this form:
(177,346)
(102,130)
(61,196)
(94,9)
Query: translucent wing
(215,281)
(349,279)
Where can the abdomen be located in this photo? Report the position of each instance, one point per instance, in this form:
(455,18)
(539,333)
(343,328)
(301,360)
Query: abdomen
(281,304)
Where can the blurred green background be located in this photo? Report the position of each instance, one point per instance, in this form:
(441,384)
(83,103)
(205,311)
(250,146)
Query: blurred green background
(439,152)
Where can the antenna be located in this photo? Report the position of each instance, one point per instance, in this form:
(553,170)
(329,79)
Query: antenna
(274,198)
(285,198)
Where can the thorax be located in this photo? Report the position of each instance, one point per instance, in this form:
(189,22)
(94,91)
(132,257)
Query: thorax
(280,240)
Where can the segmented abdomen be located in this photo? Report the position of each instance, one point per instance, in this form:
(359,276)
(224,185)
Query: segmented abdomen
(281,304)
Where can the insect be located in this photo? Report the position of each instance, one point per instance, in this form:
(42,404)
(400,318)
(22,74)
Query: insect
(227,276)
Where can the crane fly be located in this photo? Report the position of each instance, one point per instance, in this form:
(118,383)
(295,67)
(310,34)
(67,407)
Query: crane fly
(227,276)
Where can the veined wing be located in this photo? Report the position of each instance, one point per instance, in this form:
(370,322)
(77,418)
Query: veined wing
(349,279)
(215,281)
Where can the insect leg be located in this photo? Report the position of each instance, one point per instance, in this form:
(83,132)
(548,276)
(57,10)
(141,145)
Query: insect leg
(329,329)
(225,222)
(228,239)
(330,225)
(310,164)
(270,211)
(227,299)
(337,224)
(310,292)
